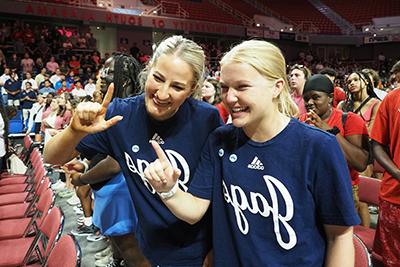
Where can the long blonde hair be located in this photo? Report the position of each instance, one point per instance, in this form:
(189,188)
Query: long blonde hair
(186,50)
(268,60)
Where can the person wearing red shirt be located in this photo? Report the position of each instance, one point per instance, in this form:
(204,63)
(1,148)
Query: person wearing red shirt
(74,64)
(352,136)
(338,93)
(298,75)
(386,148)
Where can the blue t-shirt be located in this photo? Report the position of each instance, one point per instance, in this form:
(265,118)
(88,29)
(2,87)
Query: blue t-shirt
(12,85)
(270,200)
(164,239)
(26,104)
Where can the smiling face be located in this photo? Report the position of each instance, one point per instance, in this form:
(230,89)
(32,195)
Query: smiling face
(247,94)
(168,85)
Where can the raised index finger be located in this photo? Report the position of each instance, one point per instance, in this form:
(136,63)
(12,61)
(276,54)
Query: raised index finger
(159,151)
(108,96)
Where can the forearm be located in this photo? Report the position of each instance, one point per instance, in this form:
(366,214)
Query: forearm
(356,157)
(384,159)
(103,171)
(187,207)
(61,148)
(340,250)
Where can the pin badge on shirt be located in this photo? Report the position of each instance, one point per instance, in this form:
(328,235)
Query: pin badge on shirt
(233,158)
(135,148)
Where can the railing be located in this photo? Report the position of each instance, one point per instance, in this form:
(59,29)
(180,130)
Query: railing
(236,13)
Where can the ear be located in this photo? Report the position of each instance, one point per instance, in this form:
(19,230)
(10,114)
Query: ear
(330,98)
(278,87)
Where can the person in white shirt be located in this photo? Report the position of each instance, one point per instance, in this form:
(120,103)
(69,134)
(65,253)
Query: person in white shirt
(3,134)
(90,87)
(3,78)
(40,77)
(78,90)
(56,77)
(29,78)
(35,118)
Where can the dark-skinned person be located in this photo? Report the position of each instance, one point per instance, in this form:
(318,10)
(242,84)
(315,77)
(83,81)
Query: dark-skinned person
(349,128)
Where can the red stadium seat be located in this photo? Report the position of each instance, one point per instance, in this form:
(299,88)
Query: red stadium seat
(66,253)
(362,258)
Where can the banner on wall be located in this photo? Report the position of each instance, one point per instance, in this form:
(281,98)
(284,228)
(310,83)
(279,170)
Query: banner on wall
(377,39)
(105,16)
(254,32)
(268,34)
(301,37)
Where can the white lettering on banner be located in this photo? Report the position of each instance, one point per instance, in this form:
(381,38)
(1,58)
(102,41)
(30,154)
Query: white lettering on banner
(239,201)
(175,159)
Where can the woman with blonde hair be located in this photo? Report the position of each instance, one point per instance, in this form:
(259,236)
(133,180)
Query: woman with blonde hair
(278,188)
(167,113)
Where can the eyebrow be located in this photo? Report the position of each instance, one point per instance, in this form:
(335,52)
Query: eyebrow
(173,82)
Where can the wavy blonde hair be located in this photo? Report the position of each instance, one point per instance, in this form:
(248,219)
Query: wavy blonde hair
(268,60)
(186,50)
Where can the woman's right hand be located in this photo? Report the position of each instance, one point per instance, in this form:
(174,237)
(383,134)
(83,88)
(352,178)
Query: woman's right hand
(89,117)
(160,173)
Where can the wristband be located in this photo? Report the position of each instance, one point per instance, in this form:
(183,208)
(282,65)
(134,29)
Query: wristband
(170,193)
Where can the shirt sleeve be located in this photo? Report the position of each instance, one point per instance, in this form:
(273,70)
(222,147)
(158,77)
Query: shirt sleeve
(202,183)
(331,186)
(354,125)
(380,129)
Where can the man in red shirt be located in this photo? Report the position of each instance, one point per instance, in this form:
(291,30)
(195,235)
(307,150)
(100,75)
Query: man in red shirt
(338,93)
(386,147)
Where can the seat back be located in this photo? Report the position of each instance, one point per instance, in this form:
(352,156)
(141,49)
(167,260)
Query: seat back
(50,229)
(45,203)
(362,258)
(369,190)
(66,253)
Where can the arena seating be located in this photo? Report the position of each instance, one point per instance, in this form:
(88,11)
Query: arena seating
(290,10)
(361,12)
(204,11)
(243,7)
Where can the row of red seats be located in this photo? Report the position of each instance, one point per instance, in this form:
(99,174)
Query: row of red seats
(30,224)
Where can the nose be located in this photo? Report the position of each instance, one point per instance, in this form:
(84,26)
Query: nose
(230,96)
(163,92)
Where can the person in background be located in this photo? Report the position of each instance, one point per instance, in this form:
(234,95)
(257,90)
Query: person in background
(374,77)
(90,87)
(211,93)
(40,77)
(28,78)
(4,122)
(13,89)
(28,97)
(298,75)
(386,148)
(338,93)
(35,118)
(349,129)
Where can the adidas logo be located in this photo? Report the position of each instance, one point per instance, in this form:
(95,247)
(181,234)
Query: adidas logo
(158,139)
(256,164)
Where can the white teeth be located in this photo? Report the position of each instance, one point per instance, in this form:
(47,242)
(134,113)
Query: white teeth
(238,109)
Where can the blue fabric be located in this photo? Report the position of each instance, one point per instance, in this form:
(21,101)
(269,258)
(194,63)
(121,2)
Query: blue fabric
(114,213)
(25,104)
(270,200)
(164,239)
